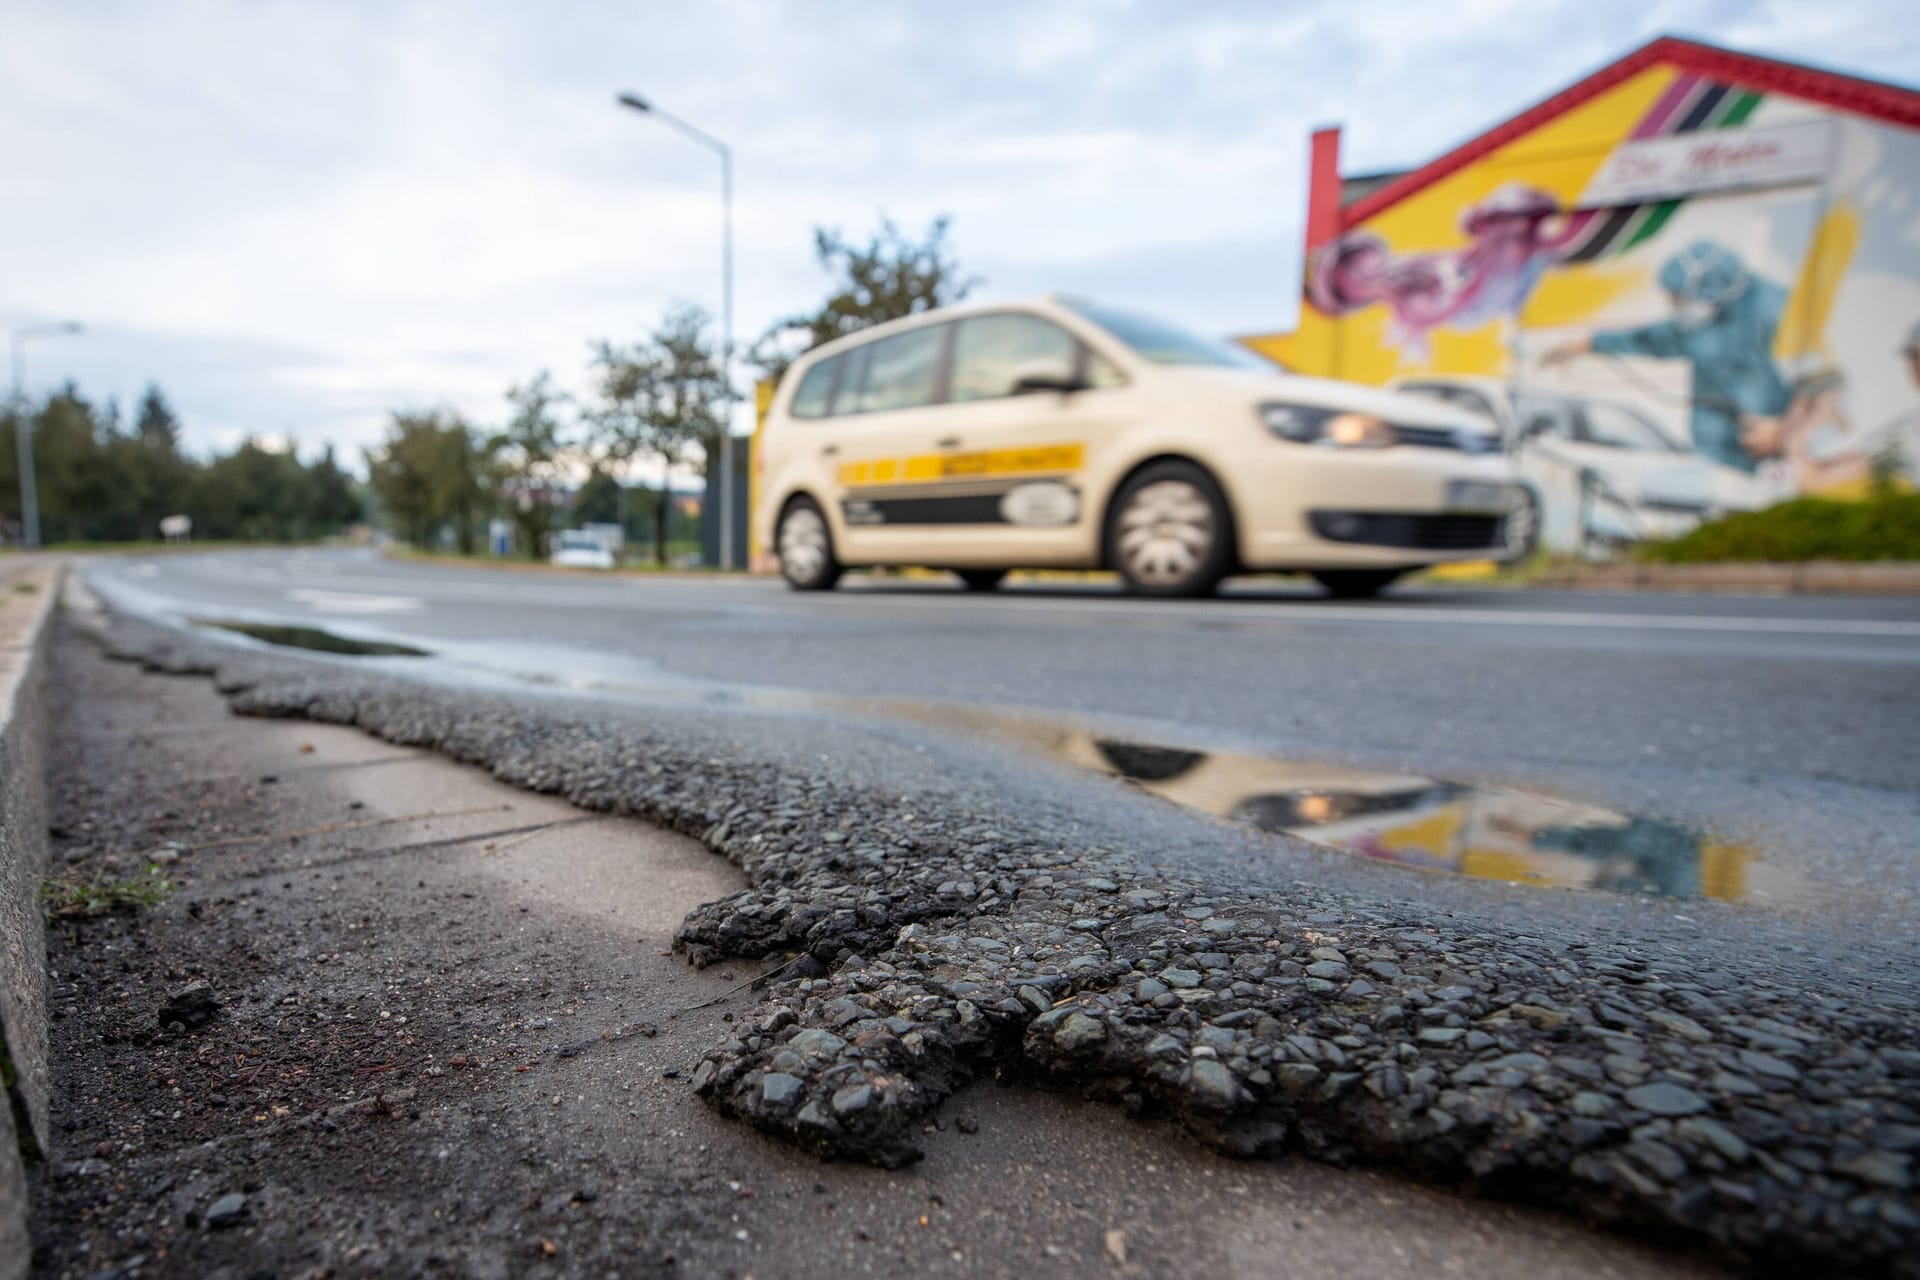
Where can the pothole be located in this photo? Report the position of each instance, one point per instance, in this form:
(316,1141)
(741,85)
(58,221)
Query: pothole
(314,638)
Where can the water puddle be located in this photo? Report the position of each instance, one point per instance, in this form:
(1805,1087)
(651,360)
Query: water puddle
(1494,833)
(316,639)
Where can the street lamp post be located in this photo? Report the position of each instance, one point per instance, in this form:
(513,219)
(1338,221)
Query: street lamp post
(725,153)
(23,428)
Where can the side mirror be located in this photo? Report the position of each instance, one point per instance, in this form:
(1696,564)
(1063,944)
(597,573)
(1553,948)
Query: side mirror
(1045,373)
(1538,426)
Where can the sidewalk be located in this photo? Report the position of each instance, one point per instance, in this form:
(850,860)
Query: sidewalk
(457,1044)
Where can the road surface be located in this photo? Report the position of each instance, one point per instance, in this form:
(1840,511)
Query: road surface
(1786,722)
(912,780)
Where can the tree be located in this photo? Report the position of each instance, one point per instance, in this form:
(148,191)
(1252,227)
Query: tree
(431,471)
(531,453)
(99,483)
(156,425)
(331,502)
(889,277)
(662,398)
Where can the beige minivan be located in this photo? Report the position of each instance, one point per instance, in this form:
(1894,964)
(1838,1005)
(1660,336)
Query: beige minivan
(1061,434)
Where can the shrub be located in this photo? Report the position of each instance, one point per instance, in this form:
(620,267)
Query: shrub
(1885,526)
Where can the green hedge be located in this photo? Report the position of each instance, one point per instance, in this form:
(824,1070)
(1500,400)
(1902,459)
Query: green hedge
(1883,527)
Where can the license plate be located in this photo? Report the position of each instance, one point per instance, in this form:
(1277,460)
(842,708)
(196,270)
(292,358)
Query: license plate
(1488,496)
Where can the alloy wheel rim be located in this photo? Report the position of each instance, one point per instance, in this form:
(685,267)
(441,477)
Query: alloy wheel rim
(1166,532)
(803,544)
(1521,522)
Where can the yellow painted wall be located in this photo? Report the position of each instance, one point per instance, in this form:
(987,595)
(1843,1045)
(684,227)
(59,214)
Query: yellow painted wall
(1559,158)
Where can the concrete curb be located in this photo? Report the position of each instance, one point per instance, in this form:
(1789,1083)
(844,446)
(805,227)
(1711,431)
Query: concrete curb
(28,591)
(1812,578)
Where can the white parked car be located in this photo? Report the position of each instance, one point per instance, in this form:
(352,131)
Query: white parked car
(1605,472)
(578,549)
(1060,434)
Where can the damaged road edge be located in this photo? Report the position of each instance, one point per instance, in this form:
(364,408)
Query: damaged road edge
(1723,1105)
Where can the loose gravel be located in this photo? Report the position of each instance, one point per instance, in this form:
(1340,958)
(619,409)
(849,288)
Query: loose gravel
(1776,1120)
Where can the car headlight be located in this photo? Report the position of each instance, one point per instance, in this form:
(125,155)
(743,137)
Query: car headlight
(1307,424)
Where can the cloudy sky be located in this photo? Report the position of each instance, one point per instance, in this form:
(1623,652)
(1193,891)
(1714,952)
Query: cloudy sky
(298,216)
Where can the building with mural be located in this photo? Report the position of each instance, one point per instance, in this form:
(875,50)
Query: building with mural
(1689,283)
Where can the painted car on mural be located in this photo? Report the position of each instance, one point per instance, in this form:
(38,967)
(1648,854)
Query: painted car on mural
(1605,472)
(1729,237)
(1062,434)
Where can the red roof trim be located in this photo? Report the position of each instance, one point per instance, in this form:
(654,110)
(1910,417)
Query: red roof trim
(1876,99)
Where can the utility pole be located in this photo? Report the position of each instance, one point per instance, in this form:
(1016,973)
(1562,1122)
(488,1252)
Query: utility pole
(705,139)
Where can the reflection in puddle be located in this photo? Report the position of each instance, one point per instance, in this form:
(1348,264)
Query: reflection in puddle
(1495,833)
(1491,832)
(314,638)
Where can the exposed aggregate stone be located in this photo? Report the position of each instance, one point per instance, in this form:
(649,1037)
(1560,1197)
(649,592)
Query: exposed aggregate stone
(1777,1122)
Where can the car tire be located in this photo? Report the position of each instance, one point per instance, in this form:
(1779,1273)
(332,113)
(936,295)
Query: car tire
(1169,532)
(980,579)
(805,546)
(1357,584)
(1520,531)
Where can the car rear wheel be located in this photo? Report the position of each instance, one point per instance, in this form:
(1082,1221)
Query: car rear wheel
(1357,584)
(806,547)
(1168,532)
(980,579)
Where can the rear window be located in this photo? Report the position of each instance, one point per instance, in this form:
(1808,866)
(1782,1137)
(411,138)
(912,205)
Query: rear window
(816,389)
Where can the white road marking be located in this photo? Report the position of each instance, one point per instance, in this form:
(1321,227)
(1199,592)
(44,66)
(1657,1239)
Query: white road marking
(353,602)
(1282,612)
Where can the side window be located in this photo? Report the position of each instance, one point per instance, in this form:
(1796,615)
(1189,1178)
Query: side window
(900,373)
(816,389)
(1544,418)
(1103,373)
(988,349)
(1615,427)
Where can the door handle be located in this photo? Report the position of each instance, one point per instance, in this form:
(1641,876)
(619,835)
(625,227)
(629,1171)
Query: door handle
(947,442)
(829,450)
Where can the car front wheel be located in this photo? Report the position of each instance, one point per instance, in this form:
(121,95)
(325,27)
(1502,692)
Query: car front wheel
(1169,533)
(805,546)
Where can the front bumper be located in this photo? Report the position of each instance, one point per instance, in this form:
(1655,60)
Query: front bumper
(1309,508)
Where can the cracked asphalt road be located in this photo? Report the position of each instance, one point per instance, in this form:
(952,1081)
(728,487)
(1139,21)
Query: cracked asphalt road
(453,1043)
(1740,1074)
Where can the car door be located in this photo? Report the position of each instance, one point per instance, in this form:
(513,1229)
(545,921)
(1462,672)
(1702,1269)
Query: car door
(883,446)
(1645,462)
(1014,459)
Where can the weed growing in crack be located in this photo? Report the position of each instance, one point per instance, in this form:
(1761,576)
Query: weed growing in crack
(100,894)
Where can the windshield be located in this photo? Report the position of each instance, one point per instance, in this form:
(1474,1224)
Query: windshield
(579,542)
(1163,343)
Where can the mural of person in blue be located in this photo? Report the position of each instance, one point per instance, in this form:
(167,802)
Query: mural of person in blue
(1723,322)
